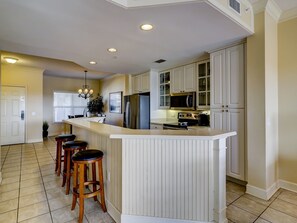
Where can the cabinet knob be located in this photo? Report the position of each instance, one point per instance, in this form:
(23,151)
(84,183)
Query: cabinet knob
(223,106)
(226,106)
(226,110)
(223,110)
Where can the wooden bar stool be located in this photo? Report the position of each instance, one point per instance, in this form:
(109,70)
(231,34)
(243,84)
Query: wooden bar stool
(81,160)
(70,148)
(60,139)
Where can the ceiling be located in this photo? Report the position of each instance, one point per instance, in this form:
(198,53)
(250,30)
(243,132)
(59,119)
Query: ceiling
(61,37)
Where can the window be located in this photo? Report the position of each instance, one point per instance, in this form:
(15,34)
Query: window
(66,103)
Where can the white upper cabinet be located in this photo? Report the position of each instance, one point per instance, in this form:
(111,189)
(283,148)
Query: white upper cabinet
(190,78)
(203,85)
(177,80)
(141,83)
(227,78)
(183,79)
(235,76)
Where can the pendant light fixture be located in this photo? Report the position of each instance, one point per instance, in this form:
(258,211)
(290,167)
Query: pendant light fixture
(85,92)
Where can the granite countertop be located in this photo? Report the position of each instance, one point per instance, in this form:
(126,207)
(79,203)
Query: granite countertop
(160,121)
(120,132)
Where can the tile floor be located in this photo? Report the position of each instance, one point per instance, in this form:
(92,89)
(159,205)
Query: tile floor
(244,208)
(32,193)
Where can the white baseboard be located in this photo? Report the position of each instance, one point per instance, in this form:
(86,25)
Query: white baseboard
(144,219)
(113,212)
(288,185)
(34,140)
(261,193)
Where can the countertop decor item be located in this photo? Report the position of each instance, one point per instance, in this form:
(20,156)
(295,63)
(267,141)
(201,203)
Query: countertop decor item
(44,129)
(85,92)
(96,105)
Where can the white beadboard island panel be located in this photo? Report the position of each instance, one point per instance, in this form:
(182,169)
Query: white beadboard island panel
(161,176)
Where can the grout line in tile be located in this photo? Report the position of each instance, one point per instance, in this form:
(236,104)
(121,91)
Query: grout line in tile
(267,208)
(43,185)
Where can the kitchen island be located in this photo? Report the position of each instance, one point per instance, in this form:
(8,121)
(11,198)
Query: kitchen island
(160,175)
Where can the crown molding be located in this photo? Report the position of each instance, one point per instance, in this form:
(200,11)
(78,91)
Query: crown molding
(269,6)
(145,3)
(259,6)
(289,14)
(273,9)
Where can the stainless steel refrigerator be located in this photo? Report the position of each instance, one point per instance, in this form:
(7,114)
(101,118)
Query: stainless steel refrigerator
(137,111)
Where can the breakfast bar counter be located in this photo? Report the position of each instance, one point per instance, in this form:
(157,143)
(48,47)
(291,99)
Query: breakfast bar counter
(160,175)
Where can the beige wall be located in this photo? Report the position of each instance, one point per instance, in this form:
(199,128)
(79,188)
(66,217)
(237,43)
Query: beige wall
(108,85)
(32,79)
(256,105)
(287,34)
(51,84)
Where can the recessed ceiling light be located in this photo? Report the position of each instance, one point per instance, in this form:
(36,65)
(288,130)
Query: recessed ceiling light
(93,62)
(10,60)
(112,50)
(146,27)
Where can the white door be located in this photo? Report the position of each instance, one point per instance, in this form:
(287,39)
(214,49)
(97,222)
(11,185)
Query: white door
(12,115)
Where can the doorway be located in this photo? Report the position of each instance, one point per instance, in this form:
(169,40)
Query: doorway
(12,115)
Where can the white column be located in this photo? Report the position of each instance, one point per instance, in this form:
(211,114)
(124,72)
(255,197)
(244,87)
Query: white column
(219,169)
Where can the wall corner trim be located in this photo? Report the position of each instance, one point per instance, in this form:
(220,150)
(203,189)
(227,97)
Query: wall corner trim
(288,185)
(288,15)
(262,193)
(274,10)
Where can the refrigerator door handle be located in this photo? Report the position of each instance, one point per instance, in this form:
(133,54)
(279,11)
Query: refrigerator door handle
(127,115)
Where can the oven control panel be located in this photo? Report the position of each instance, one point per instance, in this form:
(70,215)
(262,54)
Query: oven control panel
(188,115)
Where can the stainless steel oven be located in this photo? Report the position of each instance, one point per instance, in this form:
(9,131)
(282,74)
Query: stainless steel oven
(189,118)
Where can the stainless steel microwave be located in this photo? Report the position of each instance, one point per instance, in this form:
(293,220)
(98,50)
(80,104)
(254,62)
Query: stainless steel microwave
(183,101)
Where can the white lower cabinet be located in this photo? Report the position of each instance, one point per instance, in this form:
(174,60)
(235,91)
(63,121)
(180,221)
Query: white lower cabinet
(232,120)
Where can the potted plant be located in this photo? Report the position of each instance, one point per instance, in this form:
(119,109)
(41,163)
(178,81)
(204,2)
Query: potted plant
(95,106)
(44,129)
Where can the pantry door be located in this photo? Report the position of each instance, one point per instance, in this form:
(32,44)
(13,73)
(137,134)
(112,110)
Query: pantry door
(12,115)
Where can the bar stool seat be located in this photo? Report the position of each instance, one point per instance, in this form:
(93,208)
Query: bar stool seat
(81,160)
(59,157)
(70,148)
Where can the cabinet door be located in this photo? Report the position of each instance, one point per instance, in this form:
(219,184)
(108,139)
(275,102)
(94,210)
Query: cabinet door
(177,80)
(217,119)
(232,120)
(136,80)
(145,82)
(189,78)
(217,75)
(164,89)
(235,144)
(235,77)
(203,85)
